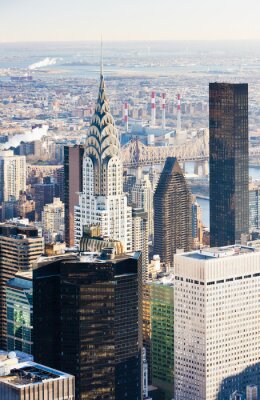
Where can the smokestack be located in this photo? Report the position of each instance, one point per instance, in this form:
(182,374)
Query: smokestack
(163,110)
(153,110)
(126,116)
(178,112)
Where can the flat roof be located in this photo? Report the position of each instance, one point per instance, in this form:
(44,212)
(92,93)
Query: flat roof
(220,252)
(30,373)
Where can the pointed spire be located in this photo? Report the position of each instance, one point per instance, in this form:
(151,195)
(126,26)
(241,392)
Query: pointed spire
(101,57)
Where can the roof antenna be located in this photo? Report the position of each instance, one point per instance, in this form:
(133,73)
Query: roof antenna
(101,57)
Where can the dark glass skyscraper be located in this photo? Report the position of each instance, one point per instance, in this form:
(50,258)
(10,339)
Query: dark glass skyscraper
(228,147)
(172,213)
(73,158)
(88,320)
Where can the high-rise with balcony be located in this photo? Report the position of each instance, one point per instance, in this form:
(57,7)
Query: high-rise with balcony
(172,213)
(228,152)
(102,201)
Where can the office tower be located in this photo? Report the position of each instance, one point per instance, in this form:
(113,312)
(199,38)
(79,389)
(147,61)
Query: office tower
(59,179)
(162,335)
(254,206)
(12,175)
(102,200)
(128,184)
(228,147)
(216,322)
(20,247)
(19,305)
(146,327)
(197,227)
(142,197)
(44,194)
(53,221)
(24,380)
(140,237)
(172,213)
(73,159)
(89,308)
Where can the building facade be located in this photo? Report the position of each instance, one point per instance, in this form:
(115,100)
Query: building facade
(228,152)
(162,335)
(92,308)
(73,160)
(12,175)
(20,247)
(140,236)
(102,201)
(53,221)
(216,322)
(172,213)
(19,308)
(142,197)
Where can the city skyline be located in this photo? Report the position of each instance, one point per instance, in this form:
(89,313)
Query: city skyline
(62,21)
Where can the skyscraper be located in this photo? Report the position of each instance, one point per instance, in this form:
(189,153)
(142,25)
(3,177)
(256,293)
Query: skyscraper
(228,146)
(12,175)
(172,213)
(19,305)
(216,322)
(53,221)
(20,247)
(140,237)
(102,201)
(73,159)
(142,197)
(89,308)
(162,335)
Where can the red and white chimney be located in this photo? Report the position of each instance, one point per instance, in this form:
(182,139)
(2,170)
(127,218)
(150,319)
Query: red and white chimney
(178,112)
(163,110)
(153,110)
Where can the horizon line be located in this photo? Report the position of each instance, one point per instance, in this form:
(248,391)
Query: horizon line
(127,40)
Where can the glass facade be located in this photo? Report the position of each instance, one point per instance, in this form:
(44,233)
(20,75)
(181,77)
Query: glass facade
(162,338)
(228,144)
(19,315)
(93,312)
(254,208)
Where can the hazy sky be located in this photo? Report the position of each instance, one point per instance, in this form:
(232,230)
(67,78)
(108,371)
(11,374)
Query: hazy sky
(33,20)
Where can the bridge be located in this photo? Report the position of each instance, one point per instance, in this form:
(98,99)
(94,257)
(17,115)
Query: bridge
(135,153)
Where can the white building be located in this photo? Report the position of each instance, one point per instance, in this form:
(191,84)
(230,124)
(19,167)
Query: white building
(142,197)
(216,322)
(140,237)
(53,220)
(12,175)
(102,201)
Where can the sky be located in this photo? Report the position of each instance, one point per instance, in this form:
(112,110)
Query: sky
(83,20)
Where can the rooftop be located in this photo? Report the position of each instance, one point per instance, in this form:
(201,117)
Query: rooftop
(30,373)
(220,252)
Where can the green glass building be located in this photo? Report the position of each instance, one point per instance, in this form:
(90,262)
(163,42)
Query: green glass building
(19,301)
(162,335)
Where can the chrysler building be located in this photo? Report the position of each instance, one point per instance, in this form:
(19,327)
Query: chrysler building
(102,201)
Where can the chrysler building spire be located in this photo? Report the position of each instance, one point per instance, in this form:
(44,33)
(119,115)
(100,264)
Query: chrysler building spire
(102,201)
